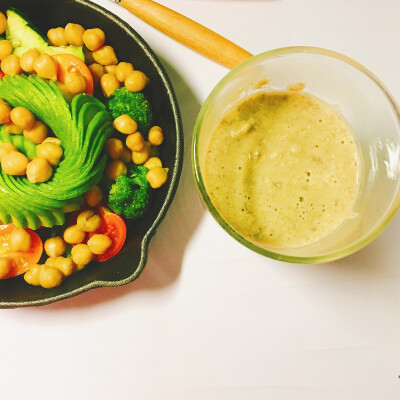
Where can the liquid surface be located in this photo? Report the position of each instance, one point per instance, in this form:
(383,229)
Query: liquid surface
(282,169)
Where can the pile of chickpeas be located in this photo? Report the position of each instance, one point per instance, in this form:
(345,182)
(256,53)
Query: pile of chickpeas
(17,121)
(101,58)
(137,150)
(57,267)
(45,66)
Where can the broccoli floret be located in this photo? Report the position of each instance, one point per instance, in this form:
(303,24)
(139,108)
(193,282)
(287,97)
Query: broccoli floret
(130,194)
(135,105)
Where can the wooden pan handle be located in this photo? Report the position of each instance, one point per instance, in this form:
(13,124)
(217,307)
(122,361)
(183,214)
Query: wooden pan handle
(187,32)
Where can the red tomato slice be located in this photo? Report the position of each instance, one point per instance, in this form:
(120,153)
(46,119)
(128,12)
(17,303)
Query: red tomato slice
(2,74)
(115,228)
(20,259)
(69,63)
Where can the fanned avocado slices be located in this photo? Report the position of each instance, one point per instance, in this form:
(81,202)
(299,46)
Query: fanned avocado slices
(82,128)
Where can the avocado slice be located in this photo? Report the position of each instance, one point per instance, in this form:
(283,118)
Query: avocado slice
(24,36)
(82,128)
(23,145)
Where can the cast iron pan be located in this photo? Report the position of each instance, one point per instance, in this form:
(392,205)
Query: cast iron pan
(129,263)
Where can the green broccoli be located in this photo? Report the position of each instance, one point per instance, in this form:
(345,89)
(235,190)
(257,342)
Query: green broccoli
(130,194)
(135,105)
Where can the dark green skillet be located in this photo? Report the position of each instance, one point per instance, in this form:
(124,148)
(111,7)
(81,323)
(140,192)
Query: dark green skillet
(129,263)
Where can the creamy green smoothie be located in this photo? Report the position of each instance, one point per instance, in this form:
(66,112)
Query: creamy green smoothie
(282,169)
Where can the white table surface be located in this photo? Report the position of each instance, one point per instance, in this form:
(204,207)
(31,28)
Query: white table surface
(208,318)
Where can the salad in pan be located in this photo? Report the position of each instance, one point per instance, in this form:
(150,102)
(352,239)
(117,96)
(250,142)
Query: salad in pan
(79,150)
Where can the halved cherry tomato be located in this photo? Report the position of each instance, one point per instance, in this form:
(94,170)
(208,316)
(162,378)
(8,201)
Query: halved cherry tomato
(2,74)
(20,259)
(114,227)
(69,63)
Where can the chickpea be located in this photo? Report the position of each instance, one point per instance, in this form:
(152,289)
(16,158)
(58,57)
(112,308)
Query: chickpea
(55,247)
(123,70)
(63,89)
(110,69)
(3,23)
(126,156)
(51,262)
(93,196)
(46,67)
(88,221)
(14,163)
(38,170)
(52,139)
(97,71)
(79,267)
(19,240)
(5,148)
(125,124)
(28,59)
(65,265)
(81,254)
(136,81)
(74,82)
(109,84)
(140,157)
(135,142)
(10,65)
(115,169)
(99,244)
(74,235)
(114,148)
(157,176)
(22,117)
(105,55)
(5,111)
(5,267)
(50,277)
(12,128)
(32,276)
(50,151)
(94,38)
(156,136)
(37,134)
(74,34)
(153,162)
(57,37)
(6,49)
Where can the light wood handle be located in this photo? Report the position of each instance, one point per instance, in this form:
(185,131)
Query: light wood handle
(188,32)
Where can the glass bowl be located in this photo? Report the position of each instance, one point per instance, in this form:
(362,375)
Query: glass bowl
(366,105)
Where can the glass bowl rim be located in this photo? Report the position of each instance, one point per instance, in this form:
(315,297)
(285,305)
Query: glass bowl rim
(335,255)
